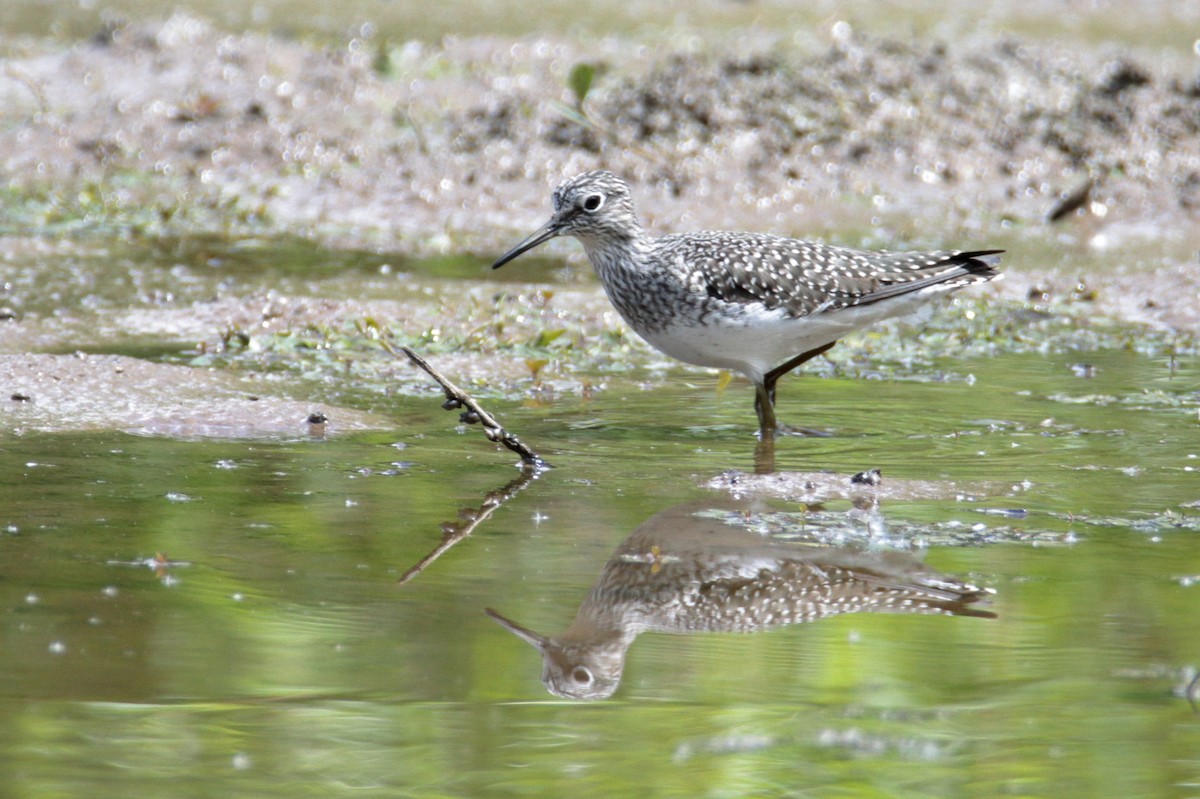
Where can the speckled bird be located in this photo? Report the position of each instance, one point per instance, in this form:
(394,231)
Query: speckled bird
(753,303)
(690,569)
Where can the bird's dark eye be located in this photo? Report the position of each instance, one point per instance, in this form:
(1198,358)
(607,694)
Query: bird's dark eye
(593,202)
(580,674)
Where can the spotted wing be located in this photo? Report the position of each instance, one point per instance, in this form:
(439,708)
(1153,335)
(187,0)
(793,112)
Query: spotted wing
(807,277)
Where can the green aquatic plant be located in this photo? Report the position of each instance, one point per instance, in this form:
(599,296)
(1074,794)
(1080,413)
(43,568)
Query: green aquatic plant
(514,340)
(579,80)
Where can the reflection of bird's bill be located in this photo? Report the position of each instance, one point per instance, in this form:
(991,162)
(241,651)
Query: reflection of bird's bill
(524,633)
(542,234)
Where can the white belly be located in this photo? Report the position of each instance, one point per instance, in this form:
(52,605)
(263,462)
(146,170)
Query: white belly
(759,341)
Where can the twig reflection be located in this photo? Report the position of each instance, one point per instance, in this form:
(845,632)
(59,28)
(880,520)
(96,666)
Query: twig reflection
(468,519)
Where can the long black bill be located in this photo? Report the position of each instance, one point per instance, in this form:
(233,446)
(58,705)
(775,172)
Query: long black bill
(524,633)
(544,233)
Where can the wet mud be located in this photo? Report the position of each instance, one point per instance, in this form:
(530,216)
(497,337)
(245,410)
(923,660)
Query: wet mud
(863,488)
(173,128)
(421,148)
(57,393)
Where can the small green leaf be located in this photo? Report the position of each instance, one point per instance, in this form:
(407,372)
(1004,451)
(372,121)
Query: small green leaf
(535,366)
(384,63)
(547,337)
(580,81)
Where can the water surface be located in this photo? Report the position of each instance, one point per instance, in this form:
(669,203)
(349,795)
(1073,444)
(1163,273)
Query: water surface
(184,617)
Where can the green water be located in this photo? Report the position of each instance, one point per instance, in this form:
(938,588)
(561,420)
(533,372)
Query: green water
(196,618)
(224,617)
(274,653)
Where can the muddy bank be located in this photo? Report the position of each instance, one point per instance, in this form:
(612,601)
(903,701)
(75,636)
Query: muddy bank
(420,148)
(865,489)
(1166,298)
(150,131)
(59,393)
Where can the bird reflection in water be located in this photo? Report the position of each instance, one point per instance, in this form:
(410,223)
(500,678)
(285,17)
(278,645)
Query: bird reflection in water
(689,571)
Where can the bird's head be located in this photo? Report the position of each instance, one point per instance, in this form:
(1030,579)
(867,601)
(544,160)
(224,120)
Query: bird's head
(594,207)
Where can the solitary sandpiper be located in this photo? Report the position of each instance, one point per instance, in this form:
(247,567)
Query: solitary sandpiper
(695,569)
(753,303)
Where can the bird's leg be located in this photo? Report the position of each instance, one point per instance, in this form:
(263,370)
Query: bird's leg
(765,394)
(764,405)
(779,371)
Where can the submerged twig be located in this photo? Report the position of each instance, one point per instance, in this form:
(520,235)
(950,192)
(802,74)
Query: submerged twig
(474,413)
(469,519)
(1071,202)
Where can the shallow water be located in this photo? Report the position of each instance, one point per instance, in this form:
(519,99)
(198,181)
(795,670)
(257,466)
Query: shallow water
(278,615)
(195,617)
(191,616)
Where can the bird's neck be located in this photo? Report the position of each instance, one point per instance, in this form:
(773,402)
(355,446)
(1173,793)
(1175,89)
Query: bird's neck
(613,254)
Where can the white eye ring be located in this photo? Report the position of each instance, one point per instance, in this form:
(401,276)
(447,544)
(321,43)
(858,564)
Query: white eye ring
(593,203)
